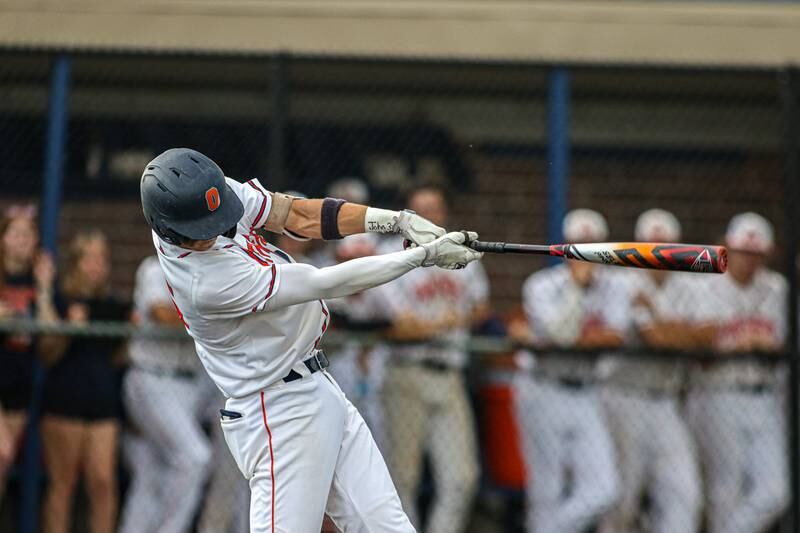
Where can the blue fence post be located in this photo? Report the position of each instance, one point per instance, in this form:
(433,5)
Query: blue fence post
(558,102)
(54,150)
(53,177)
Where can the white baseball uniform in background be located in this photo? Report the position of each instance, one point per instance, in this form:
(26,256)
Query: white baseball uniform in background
(301,444)
(425,395)
(735,408)
(167,398)
(655,448)
(568,450)
(360,370)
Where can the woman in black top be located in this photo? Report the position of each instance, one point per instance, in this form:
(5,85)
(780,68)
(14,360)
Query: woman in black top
(80,427)
(26,292)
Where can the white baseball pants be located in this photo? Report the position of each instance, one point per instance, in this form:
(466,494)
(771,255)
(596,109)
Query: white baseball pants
(742,438)
(169,455)
(307,451)
(656,452)
(562,430)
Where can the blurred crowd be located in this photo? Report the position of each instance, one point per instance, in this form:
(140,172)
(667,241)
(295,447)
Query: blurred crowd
(644,440)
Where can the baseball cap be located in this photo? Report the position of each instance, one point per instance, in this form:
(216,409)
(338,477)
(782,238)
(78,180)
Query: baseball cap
(584,225)
(749,232)
(657,225)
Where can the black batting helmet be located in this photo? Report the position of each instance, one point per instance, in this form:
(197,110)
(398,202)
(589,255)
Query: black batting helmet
(185,197)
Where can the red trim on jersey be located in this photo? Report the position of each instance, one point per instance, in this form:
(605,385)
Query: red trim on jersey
(324,324)
(170,288)
(271,287)
(271,459)
(272,282)
(254,257)
(263,203)
(161,249)
(183,255)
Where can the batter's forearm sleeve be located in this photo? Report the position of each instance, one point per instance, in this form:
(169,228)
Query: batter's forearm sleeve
(305,283)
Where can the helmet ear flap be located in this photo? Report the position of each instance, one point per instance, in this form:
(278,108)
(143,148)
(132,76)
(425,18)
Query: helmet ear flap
(166,234)
(231,233)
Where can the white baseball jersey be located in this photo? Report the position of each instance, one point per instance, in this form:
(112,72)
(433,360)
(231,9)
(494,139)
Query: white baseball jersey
(147,352)
(673,300)
(223,295)
(431,294)
(736,310)
(558,310)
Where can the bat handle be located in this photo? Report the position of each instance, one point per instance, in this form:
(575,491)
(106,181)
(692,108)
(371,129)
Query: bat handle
(490,247)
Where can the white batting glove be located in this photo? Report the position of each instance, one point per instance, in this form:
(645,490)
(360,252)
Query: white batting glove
(449,251)
(410,225)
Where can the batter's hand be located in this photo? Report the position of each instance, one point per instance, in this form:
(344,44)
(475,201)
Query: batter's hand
(417,230)
(449,251)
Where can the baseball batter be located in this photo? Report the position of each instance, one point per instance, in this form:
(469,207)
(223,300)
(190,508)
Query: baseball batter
(568,450)
(656,451)
(734,405)
(257,318)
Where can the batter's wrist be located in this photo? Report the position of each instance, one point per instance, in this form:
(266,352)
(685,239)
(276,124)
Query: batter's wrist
(378,220)
(419,254)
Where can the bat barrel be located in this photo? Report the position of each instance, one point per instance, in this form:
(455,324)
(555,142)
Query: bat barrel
(659,256)
(652,255)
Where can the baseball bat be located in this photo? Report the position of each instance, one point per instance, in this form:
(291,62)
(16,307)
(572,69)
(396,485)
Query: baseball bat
(655,255)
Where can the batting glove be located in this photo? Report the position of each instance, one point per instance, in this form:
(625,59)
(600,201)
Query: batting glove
(449,251)
(407,223)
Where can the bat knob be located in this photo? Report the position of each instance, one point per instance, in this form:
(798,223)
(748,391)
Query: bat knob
(467,240)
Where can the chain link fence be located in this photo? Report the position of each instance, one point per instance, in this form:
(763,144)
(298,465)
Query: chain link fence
(516,395)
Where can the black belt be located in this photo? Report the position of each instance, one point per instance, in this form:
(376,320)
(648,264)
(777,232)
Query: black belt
(428,364)
(169,372)
(758,388)
(574,383)
(436,366)
(316,362)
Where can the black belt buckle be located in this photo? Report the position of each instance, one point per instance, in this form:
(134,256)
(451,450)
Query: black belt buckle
(320,359)
(315,363)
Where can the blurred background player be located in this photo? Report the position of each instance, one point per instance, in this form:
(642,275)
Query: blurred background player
(166,398)
(26,291)
(81,422)
(565,441)
(360,369)
(656,453)
(425,397)
(734,404)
